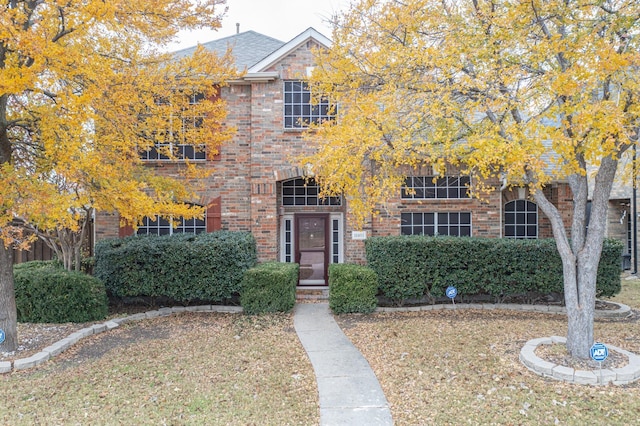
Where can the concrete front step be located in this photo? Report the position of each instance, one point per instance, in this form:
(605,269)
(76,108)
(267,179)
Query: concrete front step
(312,293)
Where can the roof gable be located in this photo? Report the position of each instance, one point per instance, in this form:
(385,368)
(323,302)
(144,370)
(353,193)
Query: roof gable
(285,49)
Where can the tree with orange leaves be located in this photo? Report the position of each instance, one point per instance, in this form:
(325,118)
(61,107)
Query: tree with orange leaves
(84,90)
(534,91)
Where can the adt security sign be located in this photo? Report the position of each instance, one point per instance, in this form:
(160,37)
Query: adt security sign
(599,352)
(1,335)
(451,292)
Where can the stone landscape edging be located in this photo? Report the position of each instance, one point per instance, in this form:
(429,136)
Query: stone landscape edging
(622,312)
(617,376)
(64,344)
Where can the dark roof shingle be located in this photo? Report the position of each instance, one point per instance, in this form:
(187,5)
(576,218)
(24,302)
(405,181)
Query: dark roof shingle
(248,48)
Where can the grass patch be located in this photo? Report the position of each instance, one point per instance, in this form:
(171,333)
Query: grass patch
(462,367)
(194,368)
(630,293)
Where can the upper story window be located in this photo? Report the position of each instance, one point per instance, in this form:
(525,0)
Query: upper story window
(452,224)
(299,111)
(426,187)
(160,226)
(521,219)
(301,192)
(177,133)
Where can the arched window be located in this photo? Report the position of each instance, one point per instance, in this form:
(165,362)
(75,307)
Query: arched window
(301,192)
(521,219)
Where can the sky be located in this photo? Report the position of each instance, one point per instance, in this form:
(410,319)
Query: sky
(280,19)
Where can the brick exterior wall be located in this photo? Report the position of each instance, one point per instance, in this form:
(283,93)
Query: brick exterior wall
(250,169)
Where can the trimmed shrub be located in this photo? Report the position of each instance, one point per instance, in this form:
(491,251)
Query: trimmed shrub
(609,269)
(45,292)
(36,264)
(183,267)
(411,267)
(352,288)
(269,287)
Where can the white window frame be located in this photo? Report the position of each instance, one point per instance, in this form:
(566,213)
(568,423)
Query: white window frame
(176,137)
(197,228)
(441,189)
(309,113)
(305,191)
(436,225)
(339,241)
(283,239)
(526,225)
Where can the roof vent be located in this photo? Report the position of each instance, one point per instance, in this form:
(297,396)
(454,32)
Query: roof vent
(237,27)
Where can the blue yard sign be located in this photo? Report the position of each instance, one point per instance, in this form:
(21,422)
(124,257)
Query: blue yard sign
(1,335)
(451,292)
(599,352)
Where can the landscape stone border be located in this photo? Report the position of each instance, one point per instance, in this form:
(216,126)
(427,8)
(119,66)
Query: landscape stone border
(64,344)
(617,376)
(623,311)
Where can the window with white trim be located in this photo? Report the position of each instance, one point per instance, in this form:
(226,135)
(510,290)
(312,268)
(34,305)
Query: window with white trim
(174,137)
(305,192)
(299,110)
(453,224)
(431,187)
(287,239)
(336,238)
(161,226)
(521,219)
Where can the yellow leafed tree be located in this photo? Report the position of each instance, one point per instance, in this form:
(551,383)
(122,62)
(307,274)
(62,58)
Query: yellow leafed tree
(84,90)
(533,91)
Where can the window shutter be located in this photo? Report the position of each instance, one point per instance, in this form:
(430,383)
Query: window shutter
(125,230)
(214,215)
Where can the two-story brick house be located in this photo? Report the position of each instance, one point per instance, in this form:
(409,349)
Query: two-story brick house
(258,187)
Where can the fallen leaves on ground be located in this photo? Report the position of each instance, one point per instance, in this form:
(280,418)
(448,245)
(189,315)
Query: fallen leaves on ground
(202,368)
(461,367)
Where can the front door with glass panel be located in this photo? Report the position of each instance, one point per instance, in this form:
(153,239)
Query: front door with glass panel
(312,252)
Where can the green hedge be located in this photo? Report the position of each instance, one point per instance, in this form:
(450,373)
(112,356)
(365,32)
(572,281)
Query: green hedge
(352,288)
(183,267)
(46,292)
(269,287)
(411,267)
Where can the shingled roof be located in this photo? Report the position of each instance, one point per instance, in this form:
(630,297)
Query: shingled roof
(248,48)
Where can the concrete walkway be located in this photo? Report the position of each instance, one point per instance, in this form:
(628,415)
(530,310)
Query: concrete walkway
(348,390)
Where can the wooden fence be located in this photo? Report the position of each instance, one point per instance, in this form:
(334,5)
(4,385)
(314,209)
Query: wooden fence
(40,251)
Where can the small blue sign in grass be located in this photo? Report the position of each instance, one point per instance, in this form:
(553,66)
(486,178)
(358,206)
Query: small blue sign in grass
(1,335)
(599,352)
(451,293)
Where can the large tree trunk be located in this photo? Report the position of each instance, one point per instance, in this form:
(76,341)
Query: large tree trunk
(8,313)
(581,255)
(581,309)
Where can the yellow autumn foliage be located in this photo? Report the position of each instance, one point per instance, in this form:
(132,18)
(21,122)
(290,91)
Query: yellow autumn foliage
(84,89)
(531,90)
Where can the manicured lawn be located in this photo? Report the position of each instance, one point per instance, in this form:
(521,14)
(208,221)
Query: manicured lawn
(462,367)
(630,294)
(188,369)
(440,367)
